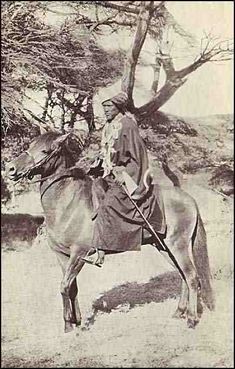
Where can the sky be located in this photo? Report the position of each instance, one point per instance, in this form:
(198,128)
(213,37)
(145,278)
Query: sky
(208,90)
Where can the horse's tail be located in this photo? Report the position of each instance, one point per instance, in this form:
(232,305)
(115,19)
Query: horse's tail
(168,172)
(201,260)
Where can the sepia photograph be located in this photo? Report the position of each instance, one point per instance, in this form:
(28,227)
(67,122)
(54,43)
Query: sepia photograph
(117,184)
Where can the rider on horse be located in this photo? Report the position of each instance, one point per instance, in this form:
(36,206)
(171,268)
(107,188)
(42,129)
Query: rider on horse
(118,226)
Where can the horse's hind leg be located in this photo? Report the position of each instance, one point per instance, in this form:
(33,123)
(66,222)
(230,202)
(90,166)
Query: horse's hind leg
(181,311)
(188,272)
(184,296)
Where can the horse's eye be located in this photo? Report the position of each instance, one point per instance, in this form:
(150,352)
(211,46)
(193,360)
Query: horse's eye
(45,151)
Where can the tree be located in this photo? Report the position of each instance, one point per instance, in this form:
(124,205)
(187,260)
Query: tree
(70,65)
(152,18)
(66,63)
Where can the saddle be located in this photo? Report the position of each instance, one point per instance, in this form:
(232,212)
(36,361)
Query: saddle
(157,214)
(98,190)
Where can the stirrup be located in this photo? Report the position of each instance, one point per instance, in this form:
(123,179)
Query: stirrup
(94,215)
(92,262)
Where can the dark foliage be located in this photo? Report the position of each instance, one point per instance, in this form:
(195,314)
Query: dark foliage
(223,179)
(19,230)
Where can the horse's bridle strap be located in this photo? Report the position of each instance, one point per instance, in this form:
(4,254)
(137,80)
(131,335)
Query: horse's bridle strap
(68,174)
(43,160)
(56,178)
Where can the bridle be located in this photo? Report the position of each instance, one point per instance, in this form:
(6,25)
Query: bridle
(44,160)
(67,173)
(39,164)
(55,177)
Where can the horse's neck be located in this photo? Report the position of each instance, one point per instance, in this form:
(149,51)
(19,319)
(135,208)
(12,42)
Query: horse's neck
(67,205)
(50,177)
(61,190)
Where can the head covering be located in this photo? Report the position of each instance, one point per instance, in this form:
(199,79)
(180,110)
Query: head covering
(120,100)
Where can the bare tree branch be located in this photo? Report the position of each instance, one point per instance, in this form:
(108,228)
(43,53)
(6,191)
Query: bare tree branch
(218,51)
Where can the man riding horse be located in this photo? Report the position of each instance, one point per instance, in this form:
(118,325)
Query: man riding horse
(124,160)
(67,199)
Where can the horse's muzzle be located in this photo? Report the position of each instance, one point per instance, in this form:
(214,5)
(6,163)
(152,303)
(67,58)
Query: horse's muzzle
(11,171)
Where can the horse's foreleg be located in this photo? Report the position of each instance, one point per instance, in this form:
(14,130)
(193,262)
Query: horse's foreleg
(71,267)
(74,266)
(67,313)
(76,319)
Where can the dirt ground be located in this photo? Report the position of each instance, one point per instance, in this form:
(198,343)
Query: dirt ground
(126,306)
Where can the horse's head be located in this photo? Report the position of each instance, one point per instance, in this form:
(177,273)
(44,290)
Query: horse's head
(40,158)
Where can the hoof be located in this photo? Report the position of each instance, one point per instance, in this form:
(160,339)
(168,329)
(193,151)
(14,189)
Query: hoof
(191,323)
(78,324)
(179,314)
(85,328)
(199,310)
(75,321)
(68,327)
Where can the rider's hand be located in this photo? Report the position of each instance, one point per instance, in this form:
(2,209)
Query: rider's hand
(118,175)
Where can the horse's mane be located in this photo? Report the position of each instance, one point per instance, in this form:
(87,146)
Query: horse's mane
(78,173)
(72,148)
(48,137)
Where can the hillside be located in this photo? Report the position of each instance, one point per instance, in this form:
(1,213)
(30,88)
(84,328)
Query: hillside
(191,145)
(195,145)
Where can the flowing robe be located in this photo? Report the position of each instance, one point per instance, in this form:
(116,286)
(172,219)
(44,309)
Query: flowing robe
(118,225)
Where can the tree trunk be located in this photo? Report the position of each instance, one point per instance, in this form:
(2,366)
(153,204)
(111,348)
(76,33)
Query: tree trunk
(89,115)
(174,78)
(156,75)
(143,21)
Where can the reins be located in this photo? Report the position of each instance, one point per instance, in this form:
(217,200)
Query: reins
(55,175)
(40,163)
(57,178)
(66,174)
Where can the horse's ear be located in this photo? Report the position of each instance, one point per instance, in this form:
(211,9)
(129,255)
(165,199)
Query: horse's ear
(43,130)
(59,140)
(46,127)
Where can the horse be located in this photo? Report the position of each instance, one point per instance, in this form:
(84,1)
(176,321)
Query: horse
(67,202)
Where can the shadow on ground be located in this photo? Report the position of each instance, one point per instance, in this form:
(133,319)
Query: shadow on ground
(15,362)
(158,289)
(19,231)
